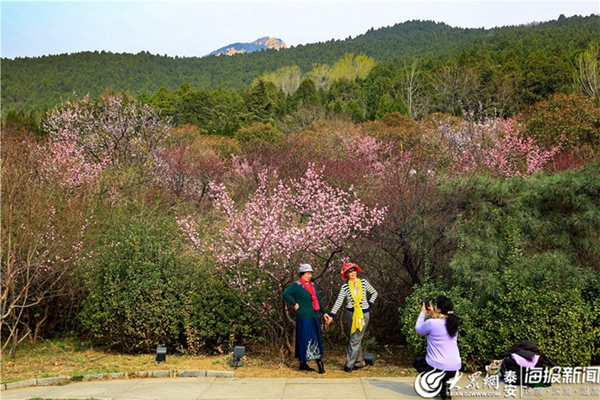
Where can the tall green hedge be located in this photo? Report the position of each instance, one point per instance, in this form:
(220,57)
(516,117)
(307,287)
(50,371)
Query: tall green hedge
(526,268)
(144,292)
(560,322)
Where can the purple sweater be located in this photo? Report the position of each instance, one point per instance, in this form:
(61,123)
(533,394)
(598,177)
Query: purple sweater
(442,350)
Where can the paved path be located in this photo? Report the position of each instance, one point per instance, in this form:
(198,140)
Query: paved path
(215,388)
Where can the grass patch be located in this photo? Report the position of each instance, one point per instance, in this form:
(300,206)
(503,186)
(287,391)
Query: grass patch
(258,362)
(74,358)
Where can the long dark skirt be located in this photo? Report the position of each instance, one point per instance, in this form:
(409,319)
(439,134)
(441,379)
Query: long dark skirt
(309,343)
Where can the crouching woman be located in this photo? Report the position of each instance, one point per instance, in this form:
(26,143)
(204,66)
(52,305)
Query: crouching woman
(441,329)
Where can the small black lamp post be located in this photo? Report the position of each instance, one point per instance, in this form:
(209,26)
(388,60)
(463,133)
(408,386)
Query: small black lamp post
(161,354)
(238,353)
(369,358)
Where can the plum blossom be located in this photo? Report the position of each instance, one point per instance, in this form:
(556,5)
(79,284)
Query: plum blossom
(516,155)
(281,224)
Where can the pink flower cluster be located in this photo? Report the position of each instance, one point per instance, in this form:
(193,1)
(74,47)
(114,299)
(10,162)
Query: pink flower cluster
(109,129)
(282,223)
(368,151)
(516,155)
(495,144)
(64,159)
(188,228)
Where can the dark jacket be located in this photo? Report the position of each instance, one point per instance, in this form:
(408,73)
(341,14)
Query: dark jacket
(296,293)
(527,349)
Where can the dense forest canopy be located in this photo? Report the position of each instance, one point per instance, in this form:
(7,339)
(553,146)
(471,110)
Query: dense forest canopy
(33,83)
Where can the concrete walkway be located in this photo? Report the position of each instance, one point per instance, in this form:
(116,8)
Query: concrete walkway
(276,388)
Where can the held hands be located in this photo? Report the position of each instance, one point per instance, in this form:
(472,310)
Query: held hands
(328,319)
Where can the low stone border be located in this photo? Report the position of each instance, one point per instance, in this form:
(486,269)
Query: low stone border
(171,373)
(51,381)
(21,384)
(191,374)
(220,374)
(92,377)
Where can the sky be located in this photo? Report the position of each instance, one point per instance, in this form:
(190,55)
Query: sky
(194,28)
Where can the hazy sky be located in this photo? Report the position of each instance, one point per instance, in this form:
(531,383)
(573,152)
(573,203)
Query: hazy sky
(197,27)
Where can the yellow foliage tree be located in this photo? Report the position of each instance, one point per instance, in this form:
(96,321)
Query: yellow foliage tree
(285,78)
(349,67)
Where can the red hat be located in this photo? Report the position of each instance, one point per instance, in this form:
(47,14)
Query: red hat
(348,266)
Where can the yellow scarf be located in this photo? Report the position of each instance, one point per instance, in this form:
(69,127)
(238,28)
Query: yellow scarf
(358,319)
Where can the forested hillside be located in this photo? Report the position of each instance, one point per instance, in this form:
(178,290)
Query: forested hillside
(32,83)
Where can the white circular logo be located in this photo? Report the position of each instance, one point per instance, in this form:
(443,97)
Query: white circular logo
(429,384)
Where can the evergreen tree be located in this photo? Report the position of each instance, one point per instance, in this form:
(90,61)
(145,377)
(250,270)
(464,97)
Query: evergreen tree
(264,101)
(306,95)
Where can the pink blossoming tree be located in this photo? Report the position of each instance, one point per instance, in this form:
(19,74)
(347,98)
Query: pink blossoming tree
(281,226)
(516,155)
(111,129)
(43,227)
(369,153)
(185,171)
(498,145)
(64,160)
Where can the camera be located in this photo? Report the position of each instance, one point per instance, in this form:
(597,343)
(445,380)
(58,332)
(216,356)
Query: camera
(426,301)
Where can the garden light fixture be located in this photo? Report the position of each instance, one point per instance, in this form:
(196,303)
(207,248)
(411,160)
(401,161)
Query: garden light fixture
(238,353)
(161,354)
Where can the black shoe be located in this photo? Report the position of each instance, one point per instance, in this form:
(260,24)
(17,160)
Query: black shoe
(357,367)
(304,367)
(445,395)
(320,366)
(347,369)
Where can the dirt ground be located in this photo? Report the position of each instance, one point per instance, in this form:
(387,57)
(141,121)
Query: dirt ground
(56,358)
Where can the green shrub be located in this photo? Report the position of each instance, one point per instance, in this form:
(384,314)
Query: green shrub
(144,292)
(591,294)
(556,318)
(134,282)
(526,267)
(575,114)
(258,133)
(214,319)
(560,322)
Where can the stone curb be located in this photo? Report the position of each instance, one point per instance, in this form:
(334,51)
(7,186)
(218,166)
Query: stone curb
(21,384)
(191,374)
(51,381)
(91,377)
(118,375)
(220,374)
